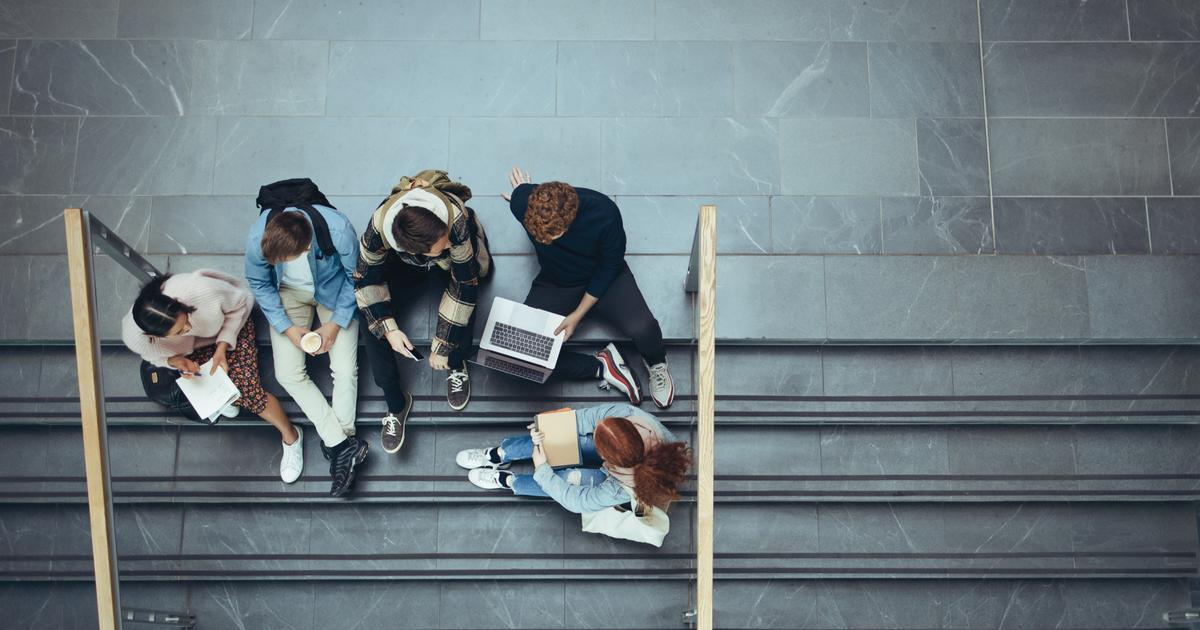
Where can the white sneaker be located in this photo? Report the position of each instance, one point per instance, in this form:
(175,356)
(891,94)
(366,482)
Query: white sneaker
(230,411)
(472,458)
(662,386)
(292,462)
(487,478)
(617,374)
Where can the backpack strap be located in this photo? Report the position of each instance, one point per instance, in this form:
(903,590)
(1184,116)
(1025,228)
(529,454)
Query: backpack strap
(325,246)
(300,194)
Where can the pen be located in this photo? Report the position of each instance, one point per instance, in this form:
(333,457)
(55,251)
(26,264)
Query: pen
(187,373)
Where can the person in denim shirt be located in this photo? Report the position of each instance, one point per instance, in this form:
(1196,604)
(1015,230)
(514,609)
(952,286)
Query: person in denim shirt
(291,278)
(622,447)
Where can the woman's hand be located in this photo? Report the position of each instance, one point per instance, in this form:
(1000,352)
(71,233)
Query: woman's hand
(400,343)
(539,452)
(189,367)
(537,436)
(218,360)
(516,177)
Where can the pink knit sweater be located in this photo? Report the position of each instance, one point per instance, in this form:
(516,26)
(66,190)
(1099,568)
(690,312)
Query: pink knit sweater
(222,304)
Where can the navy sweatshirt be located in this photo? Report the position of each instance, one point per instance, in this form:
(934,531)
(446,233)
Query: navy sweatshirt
(591,253)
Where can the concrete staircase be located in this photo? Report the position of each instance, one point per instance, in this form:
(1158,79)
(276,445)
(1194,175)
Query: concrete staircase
(866,486)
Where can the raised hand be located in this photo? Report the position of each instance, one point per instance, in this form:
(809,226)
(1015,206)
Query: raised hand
(516,177)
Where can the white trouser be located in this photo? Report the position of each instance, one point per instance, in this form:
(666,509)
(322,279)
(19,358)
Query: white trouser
(332,423)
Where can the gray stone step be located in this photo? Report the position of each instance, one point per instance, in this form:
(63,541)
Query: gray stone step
(629,605)
(781,298)
(540,540)
(831,385)
(190,464)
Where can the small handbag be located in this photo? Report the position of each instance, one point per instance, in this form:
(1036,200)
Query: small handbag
(159,385)
(642,524)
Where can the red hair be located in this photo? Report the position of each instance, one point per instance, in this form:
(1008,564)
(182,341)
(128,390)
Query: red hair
(657,474)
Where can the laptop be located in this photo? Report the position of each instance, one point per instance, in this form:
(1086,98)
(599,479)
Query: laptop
(520,340)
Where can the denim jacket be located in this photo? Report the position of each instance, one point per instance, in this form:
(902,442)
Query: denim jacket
(610,492)
(332,282)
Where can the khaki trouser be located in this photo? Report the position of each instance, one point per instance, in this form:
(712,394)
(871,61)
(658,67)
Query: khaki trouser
(332,423)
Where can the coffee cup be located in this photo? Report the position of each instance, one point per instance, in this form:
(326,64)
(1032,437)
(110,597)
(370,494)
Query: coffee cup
(311,342)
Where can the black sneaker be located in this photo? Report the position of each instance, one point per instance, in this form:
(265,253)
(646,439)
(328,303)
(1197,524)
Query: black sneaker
(346,457)
(392,434)
(458,389)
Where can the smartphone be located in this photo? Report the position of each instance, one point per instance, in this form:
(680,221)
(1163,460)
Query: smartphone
(417,356)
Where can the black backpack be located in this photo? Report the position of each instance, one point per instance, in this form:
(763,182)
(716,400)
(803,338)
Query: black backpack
(303,194)
(159,383)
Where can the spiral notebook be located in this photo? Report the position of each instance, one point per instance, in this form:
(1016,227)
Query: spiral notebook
(209,393)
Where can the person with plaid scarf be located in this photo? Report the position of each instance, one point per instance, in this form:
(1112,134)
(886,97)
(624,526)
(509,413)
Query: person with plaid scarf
(422,226)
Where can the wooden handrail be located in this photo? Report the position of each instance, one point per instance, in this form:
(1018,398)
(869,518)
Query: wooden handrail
(706,235)
(91,407)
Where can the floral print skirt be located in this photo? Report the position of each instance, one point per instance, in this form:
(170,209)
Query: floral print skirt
(243,368)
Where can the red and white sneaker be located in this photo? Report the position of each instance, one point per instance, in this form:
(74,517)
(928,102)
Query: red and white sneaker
(662,386)
(618,375)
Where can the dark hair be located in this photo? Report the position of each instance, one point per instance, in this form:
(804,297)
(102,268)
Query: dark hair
(551,209)
(416,229)
(286,236)
(657,474)
(154,312)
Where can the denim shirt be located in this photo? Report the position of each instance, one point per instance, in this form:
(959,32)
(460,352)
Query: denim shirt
(610,492)
(332,282)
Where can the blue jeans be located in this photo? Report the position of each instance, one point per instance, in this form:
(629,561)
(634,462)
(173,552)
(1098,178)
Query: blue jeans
(520,448)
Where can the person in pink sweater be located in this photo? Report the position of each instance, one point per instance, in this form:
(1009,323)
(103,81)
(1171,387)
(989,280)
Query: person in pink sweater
(183,320)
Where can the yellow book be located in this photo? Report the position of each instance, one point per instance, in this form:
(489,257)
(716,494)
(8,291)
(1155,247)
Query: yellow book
(562,438)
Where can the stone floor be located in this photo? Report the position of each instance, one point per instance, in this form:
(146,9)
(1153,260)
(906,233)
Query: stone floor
(846,126)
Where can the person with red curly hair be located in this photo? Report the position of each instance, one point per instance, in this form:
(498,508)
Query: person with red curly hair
(579,239)
(622,447)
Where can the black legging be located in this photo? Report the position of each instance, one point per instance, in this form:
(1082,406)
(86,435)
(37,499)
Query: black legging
(622,305)
(405,279)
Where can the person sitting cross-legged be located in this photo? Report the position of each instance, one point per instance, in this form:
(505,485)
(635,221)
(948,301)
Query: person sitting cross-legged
(580,243)
(622,447)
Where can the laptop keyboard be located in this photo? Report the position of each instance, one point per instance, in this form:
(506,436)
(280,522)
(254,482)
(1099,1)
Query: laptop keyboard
(512,368)
(522,341)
